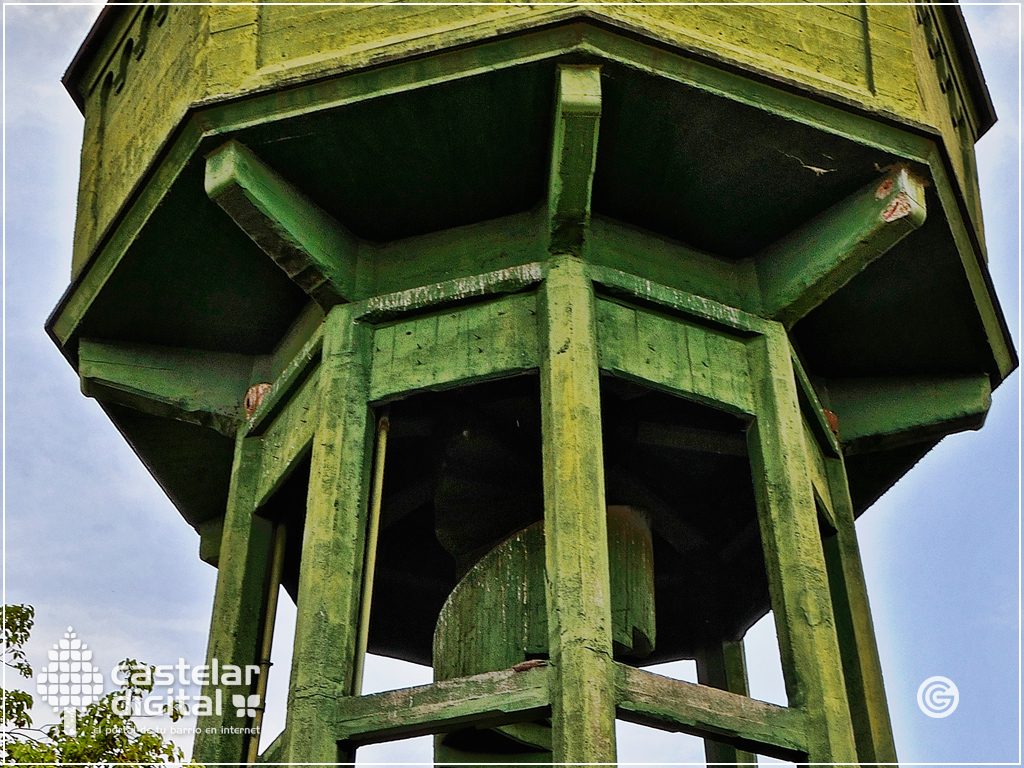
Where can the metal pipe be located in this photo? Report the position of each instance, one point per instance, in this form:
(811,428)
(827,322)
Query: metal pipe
(269,617)
(370,562)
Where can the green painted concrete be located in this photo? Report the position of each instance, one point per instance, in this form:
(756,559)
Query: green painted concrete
(649,237)
(875,58)
(330,579)
(725,717)
(234,638)
(576,537)
(879,413)
(313,249)
(573,156)
(724,666)
(801,271)
(204,388)
(862,669)
(793,556)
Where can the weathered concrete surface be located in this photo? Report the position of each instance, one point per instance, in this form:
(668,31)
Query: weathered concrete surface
(153,64)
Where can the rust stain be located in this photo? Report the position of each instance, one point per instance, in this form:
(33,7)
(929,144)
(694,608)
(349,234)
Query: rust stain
(254,397)
(523,666)
(897,209)
(883,189)
(833,421)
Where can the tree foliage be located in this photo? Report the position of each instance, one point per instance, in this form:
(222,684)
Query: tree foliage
(17,624)
(103,734)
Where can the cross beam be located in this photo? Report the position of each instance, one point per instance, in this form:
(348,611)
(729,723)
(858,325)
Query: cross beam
(730,718)
(304,240)
(878,414)
(573,156)
(491,698)
(800,271)
(190,385)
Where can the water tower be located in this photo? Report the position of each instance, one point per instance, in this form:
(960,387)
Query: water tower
(538,344)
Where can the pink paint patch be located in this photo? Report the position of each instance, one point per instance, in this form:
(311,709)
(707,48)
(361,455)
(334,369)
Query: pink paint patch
(897,209)
(883,189)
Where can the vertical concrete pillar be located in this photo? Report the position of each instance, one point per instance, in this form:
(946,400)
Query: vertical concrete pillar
(330,576)
(576,531)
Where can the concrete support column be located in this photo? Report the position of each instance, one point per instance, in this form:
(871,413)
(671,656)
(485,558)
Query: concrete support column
(237,606)
(576,532)
(724,666)
(330,576)
(797,579)
(862,669)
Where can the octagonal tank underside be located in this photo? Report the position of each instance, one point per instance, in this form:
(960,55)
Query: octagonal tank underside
(680,169)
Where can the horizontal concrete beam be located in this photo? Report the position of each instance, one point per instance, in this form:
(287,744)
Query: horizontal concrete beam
(305,241)
(729,718)
(190,385)
(878,414)
(488,699)
(800,271)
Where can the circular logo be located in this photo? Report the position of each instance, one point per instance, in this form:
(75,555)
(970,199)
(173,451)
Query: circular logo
(938,696)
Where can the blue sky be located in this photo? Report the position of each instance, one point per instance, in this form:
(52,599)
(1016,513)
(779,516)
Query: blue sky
(90,540)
